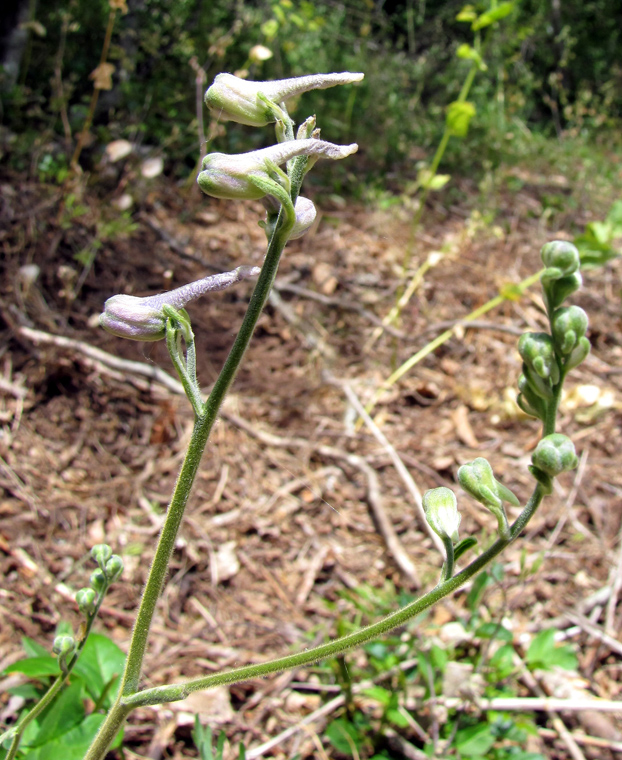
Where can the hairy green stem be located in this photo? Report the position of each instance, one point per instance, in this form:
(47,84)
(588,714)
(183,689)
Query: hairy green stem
(200,434)
(173,693)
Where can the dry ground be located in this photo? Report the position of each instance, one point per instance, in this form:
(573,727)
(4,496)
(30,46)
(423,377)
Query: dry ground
(276,530)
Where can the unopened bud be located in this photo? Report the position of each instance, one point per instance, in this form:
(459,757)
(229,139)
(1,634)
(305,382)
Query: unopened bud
(441,512)
(570,324)
(86,599)
(114,568)
(560,259)
(540,363)
(477,479)
(98,581)
(555,454)
(64,646)
(101,553)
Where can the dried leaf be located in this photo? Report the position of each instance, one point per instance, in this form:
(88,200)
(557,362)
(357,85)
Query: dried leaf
(102,76)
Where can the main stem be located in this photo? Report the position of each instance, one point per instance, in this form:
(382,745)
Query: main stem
(172,693)
(200,434)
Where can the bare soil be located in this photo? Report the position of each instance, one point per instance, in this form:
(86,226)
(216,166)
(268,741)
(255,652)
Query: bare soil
(275,532)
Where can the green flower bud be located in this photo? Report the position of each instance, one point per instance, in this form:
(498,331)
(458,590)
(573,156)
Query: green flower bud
(540,366)
(101,553)
(554,454)
(98,581)
(64,646)
(114,568)
(144,319)
(249,176)
(477,479)
(86,599)
(531,403)
(570,324)
(556,291)
(560,259)
(441,512)
(233,99)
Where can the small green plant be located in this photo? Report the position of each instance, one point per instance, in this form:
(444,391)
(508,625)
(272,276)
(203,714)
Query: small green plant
(88,666)
(597,244)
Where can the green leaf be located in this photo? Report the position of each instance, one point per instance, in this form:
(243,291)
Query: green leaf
(614,218)
(463,546)
(493,631)
(493,15)
(397,718)
(343,736)
(35,667)
(100,662)
(475,740)
(66,712)
(72,745)
(544,654)
(379,694)
(33,649)
(459,115)
(467,14)
(502,661)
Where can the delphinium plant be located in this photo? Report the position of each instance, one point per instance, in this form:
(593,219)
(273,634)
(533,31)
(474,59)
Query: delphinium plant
(275,175)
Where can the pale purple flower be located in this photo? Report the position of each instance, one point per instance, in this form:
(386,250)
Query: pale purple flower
(143,318)
(233,99)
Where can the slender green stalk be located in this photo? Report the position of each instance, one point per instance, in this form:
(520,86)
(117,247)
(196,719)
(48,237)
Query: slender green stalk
(200,434)
(173,693)
(448,567)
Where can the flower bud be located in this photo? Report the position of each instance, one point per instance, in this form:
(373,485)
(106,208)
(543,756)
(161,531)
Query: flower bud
(114,568)
(64,646)
(441,512)
(557,290)
(247,176)
(478,480)
(101,553)
(86,599)
(529,401)
(540,363)
(98,581)
(554,454)
(233,99)
(569,325)
(143,318)
(560,259)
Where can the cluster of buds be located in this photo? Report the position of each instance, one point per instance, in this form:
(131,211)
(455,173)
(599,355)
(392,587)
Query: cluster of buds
(547,358)
(110,567)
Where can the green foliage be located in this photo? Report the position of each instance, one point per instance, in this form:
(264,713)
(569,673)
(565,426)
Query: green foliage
(597,244)
(540,69)
(64,730)
(485,657)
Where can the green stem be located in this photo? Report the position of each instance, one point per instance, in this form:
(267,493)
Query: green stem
(448,567)
(172,693)
(202,428)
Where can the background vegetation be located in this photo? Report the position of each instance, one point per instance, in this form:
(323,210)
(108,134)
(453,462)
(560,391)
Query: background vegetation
(552,69)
